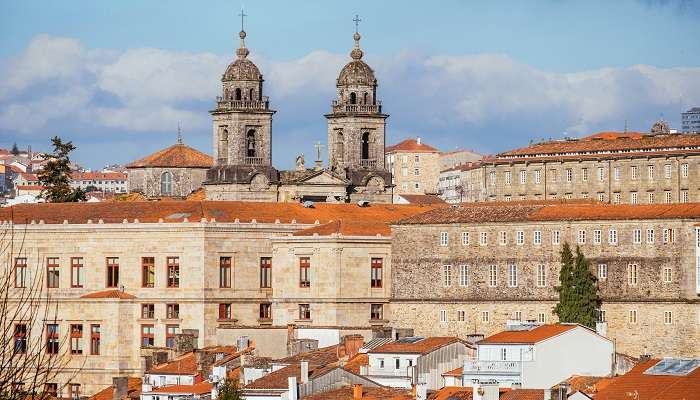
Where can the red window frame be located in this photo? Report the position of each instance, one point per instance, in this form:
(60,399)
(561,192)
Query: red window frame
(20,339)
(53,272)
(51,388)
(21,263)
(376,312)
(148,272)
(52,339)
(147,339)
(172,311)
(225,311)
(304,272)
(265,272)
(265,310)
(112,270)
(224,272)
(74,391)
(95,338)
(170,332)
(376,271)
(76,272)
(173,277)
(148,311)
(76,339)
(305,311)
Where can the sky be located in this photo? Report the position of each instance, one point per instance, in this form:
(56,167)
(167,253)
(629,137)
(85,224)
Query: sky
(117,77)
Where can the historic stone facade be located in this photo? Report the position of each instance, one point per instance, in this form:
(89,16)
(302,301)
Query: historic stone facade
(414,166)
(499,262)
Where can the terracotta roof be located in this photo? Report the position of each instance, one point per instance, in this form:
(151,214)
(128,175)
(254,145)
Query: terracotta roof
(109,294)
(423,199)
(186,364)
(652,387)
(589,384)
(111,176)
(29,177)
(277,379)
(348,228)
(531,336)
(358,360)
(523,394)
(378,393)
(133,390)
(194,211)
(454,372)
(452,393)
(30,187)
(197,388)
(422,346)
(175,156)
(523,212)
(411,146)
(322,356)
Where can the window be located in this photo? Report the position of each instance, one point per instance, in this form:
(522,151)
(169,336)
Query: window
(668,317)
(512,275)
(485,318)
(148,272)
(74,391)
(667,197)
(51,389)
(523,177)
(632,318)
(518,316)
(76,339)
(416,185)
(650,197)
(404,171)
(20,272)
(601,316)
(632,274)
(650,236)
(541,318)
(483,238)
(616,173)
(504,354)
(461,316)
(465,238)
(667,171)
(304,311)
(616,198)
(443,238)
(650,170)
(172,311)
(416,158)
(376,312)
(170,332)
(447,275)
(602,271)
(397,363)
(304,274)
(95,339)
(581,237)
(601,174)
(684,170)
(537,176)
(569,175)
(506,197)
(463,275)
(77,272)
(376,272)
(52,338)
(633,171)
(225,311)
(112,272)
(541,275)
(265,272)
(537,238)
(596,236)
(508,177)
(668,275)
(519,237)
(265,311)
(443,315)
(148,311)
(684,196)
(612,236)
(555,237)
(492,177)
(166,183)
(52,272)
(502,238)
(493,275)
(224,272)
(601,196)
(173,272)
(381,363)
(416,171)
(584,174)
(637,236)
(633,197)
(20,338)
(553,174)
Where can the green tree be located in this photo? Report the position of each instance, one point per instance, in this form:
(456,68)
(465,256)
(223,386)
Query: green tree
(55,177)
(229,390)
(578,290)
(15,150)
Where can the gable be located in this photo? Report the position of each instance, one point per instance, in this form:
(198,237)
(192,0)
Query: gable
(323,178)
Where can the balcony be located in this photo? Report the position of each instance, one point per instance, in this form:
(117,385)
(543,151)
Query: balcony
(487,367)
(404,372)
(356,108)
(222,104)
(254,161)
(368,163)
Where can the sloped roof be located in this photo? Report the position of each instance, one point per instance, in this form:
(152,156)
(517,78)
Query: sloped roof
(423,199)
(277,379)
(422,346)
(368,393)
(117,176)
(175,156)
(523,394)
(530,336)
(186,364)
(133,390)
(109,294)
(411,146)
(589,384)
(358,360)
(652,387)
(348,228)
(197,388)
(454,372)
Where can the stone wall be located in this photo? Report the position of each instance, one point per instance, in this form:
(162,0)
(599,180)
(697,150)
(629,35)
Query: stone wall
(353,126)
(237,123)
(428,167)
(184,181)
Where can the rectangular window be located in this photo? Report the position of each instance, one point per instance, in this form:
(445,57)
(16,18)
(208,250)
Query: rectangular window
(668,275)
(650,236)
(633,197)
(632,274)
(616,198)
(537,176)
(520,237)
(601,316)
(637,236)
(20,338)
(541,318)
(112,272)
(518,315)
(225,311)
(684,196)
(569,175)
(376,272)
(650,197)
(632,319)
(601,174)
(553,174)
(148,311)
(170,332)
(596,236)
(584,174)
(523,177)
(304,272)
(265,311)
(404,171)
(304,311)
(76,339)
(447,275)
(616,173)
(581,237)
(52,339)
(416,171)
(508,177)
(667,171)
(465,238)
(173,272)
(463,275)
(493,275)
(483,238)
(633,171)
(376,312)
(537,238)
(224,272)
(461,316)
(556,239)
(172,311)
(650,170)
(77,272)
(485,318)
(443,315)
(541,275)
(612,236)
(20,272)
(265,272)
(74,391)
(512,275)
(444,238)
(667,197)
(52,272)
(492,178)
(148,272)
(502,238)
(397,363)
(684,170)
(95,339)
(668,317)
(602,272)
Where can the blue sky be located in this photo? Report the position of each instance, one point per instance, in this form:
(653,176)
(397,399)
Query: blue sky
(117,76)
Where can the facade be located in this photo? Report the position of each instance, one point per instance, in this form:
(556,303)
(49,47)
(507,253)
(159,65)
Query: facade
(667,378)
(450,159)
(460,183)
(469,269)
(611,167)
(414,167)
(242,138)
(108,182)
(690,121)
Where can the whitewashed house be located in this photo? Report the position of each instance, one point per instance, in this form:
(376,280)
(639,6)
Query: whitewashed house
(539,356)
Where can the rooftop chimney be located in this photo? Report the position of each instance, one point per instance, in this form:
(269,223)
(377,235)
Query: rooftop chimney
(292,382)
(304,371)
(357,391)
(418,140)
(121,387)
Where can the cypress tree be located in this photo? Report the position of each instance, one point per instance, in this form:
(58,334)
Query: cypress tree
(578,290)
(15,150)
(55,177)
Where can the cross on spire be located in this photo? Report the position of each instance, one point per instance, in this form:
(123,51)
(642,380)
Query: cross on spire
(357,21)
(318,147)
(242,15)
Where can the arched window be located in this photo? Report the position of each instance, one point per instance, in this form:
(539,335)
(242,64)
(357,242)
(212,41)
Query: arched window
(238,93)
(340,147)
(250,143)
(353,98)
(365,146)
(250,97)
(166,183)
(223,147)
(364,100)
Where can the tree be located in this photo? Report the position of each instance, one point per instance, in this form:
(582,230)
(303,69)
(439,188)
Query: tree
(578,290)
(229,390)
(55,177)
(15,150)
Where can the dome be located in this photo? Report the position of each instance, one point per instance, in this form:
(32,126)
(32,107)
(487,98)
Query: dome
(242,69)
(356,72)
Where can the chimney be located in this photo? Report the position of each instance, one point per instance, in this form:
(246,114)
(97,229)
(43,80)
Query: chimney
(121,387)
(353,344)
(292,386)
(304,371)
(357,391)
(418,140)
(420,391)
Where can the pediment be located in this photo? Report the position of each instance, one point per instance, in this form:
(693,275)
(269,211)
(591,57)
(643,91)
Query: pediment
(323,178)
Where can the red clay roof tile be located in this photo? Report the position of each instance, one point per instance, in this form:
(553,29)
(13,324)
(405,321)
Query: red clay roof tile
(197,388)
(411,146)
(109,294)
(531,336)
(378,393)
(175,156)
(133,390)
(637,384)
(423,346)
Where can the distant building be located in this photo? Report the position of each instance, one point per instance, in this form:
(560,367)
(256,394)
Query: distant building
(108,182)
(690,121)
(667,378)
(414,167)
(450,159)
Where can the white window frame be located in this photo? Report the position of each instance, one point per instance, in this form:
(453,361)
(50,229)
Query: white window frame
(637,236)
(597,236)
(668,317)
(612,236)
(443,316)
(537,238)
(483,238)
(493,275)
(581,236)
(684,170)
(444,238)
(447,275)
(601,174)
(503,238)
(465,238)
(538,177)
(523,176)
(508,177)
(632,274)
(584,174)
(541,275)
(520,238)
(602,271)
(556,237)
(513,275)
(485,317)
(650,236)
(461,316)
(464,275)
(668,274)
(632,316)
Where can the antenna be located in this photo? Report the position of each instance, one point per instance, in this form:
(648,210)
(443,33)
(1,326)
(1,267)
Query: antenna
(179,133)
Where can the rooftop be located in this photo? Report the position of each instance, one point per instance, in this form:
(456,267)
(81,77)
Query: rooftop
(346,227)
(175,156)
(411,146)
(133,390)
(109,294)
(197,388)
(422,199)
(98,176)
(415,345)
(639,383)
(459,393)
(185,364)
(529,336)
(378,393)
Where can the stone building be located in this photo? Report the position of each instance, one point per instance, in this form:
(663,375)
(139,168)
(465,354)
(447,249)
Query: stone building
(414,167)
(612,167)
(468,269)
(242,132)
(175,171)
